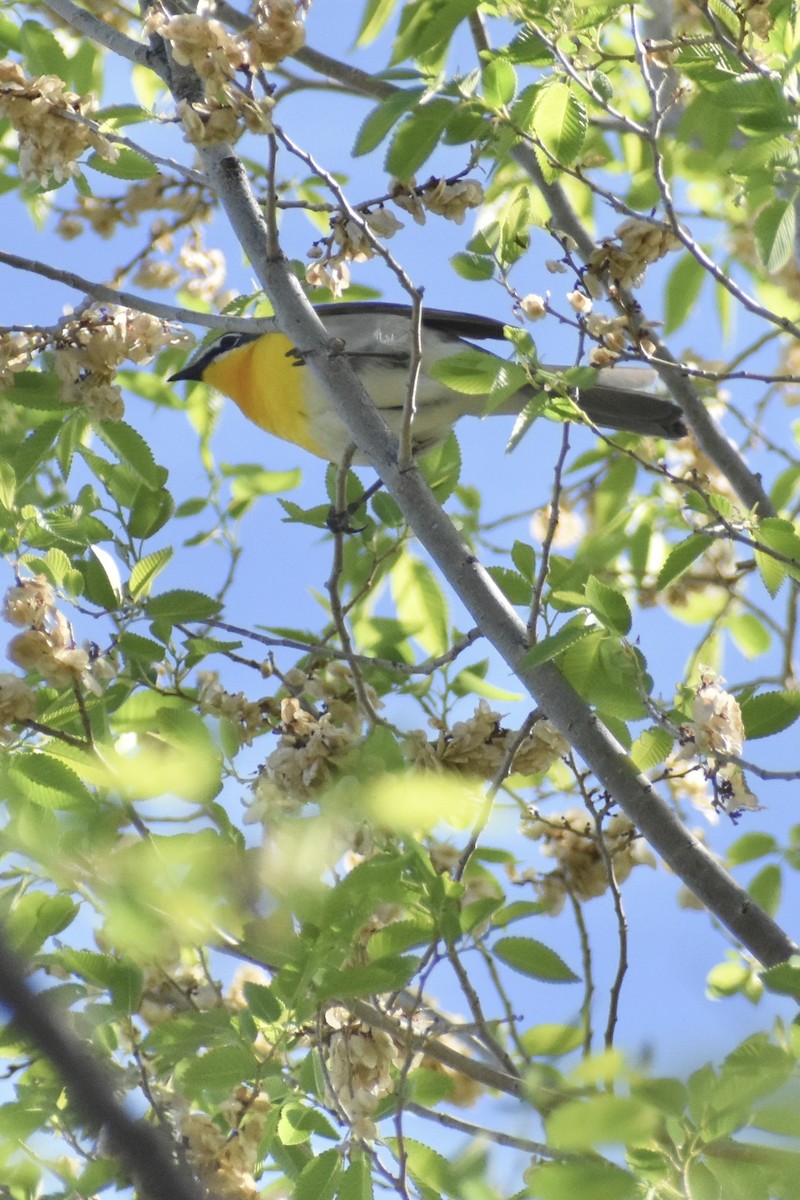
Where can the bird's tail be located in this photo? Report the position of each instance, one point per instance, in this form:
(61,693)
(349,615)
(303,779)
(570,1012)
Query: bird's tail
(618,400)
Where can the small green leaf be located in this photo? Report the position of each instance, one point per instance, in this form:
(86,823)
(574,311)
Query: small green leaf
(131,448)
(476,267)
(426,26)
(8,485)
(378,123)
(523,557)
(559,120)
(774,230)
(769,712)
(420,602)
(262,1002)
(218,1070)
(417,137)
(550,647)
(515,588)
(601,1119)
(43,52)
(651,748)
(119,976)
(596,1178)
(533,958)
(376,14)
(146,571)
(34,917)
(110,569)
(182,605)
(784,979)
(127,165)
(385,975)
(298,1122)
(48,782)
(609,606)
(766,888)
(684,284)
(319,1178)
(499,83)
(681,557)
(552,1040)
(36,447)
(751,846)
(750,635)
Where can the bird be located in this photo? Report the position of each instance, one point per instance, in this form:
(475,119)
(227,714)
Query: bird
(267,377)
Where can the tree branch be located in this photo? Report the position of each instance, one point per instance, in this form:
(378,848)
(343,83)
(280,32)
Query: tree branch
(142,1148)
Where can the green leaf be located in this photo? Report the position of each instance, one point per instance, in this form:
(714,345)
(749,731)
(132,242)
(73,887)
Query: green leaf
(138,649)
(356,1183)
(298,1121)
(8,485)
(784,979)
(131,448)
(550,647)
(475,373)
(376,14)
(476,267)
(681,557)
(515,588)
(499,83)
(110,570)
(417,137)
(182,605)
(523,557)
(319,1178)
(43,52)
(49,782)
(549,1041)
(595,1178)
(749,847)
(533,958)
(128,165)
(774,231)
(377,124)
(779,535)
(34,917)
(35,449)
(427,24)
(250,480)
(752,637)
(684,284)
(385,975)
(119,976)
(146,571)
(435,1174)
(120,115)
(420,602)
(553,114)
(609,606)
(600,1120)
(217,1071)
(262,1002)
(651,748)
(769,712)
(10,38)
(766,888)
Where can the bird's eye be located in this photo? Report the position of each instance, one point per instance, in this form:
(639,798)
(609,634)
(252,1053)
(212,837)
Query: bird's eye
(229,341)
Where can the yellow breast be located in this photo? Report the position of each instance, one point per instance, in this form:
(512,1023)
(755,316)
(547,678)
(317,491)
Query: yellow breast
(270,387)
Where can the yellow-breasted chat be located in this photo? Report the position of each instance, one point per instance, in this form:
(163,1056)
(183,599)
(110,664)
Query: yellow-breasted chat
(266,376)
